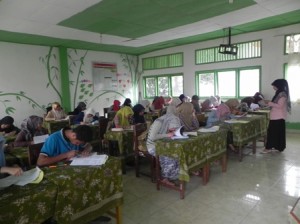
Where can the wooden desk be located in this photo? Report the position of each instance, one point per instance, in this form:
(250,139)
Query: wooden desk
(86,192)
(255,126)
(32,203)
(193,153)
(53,126)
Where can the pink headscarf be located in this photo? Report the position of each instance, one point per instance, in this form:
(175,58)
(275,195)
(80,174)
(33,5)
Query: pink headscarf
(223,111)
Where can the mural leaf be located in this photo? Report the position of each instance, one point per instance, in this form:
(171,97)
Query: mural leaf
(70,70)
(22,93)
(74,63)
(71,83)
(54,55)
(18,98)
(90,85)
(86,92)
(6,101)
(47,85)
(81,97)
(82,90)
(81,85)
(10,110)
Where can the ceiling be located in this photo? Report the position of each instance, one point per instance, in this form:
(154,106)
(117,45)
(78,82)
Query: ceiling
(137,26)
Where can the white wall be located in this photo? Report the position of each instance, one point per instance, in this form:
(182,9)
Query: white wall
(271,62)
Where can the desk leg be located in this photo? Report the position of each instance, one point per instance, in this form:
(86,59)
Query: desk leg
(157,173)
(254,146)
(224,162)
(240,153)
(119,214)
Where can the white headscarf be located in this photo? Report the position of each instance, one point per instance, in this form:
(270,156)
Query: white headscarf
(86,118)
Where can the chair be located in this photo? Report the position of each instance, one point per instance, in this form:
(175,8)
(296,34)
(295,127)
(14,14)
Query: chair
(33,153)
(103,124)
(140,132)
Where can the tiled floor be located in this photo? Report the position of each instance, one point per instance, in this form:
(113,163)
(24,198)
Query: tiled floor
(259,190)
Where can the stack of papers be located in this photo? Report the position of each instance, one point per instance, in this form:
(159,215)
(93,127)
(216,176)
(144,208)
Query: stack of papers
(233,121)
(33,176)
(211,129)
(178,134)
(40,139)
(92,160)
(117,129)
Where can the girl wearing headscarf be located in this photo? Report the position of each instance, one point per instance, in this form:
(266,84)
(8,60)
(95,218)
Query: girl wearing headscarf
(158,103)
(280,106)
(123,117)
(187,117)
(57,113)
(138,116)
(80,107)
(116,105)
(7,126)
(30,127)
(86,117)
(127,103)
(164,127)
(146,105)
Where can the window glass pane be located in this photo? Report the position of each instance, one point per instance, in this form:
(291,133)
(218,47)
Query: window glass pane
(163,86)
(249,82)
(292,44)
(226,84)
(293,78)
(206,84)
(150,87)
(177,85)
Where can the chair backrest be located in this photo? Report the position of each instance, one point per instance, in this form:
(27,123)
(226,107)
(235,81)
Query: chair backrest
(34,152)
(139,130)
(103,122)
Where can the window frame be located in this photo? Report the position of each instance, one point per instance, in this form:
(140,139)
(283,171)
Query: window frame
(237,80)
(167,57)
(156,77)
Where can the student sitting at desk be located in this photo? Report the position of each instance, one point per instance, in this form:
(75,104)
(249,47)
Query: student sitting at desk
(57,113)
(138,114)
(164,127)
(65,144)
(187,117)
(123,117)
(86,117)
(30,127)
(15,171)
(80,107)
(7,127)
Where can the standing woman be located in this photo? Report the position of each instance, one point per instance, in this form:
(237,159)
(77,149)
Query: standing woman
(280,105)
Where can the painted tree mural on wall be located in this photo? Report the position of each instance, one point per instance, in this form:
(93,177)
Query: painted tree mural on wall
(52,74)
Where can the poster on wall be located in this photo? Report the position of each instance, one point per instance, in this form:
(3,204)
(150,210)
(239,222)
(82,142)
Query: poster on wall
(105,76)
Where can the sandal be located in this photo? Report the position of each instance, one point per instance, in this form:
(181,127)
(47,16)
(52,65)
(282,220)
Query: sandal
(266,151)
(166,181)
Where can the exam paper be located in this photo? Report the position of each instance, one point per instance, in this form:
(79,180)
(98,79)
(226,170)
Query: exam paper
(92,160)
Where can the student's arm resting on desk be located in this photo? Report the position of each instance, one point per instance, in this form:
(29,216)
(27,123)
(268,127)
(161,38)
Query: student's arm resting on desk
(45,160)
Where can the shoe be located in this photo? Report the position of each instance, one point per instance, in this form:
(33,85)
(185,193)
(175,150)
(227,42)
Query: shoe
(266,151)
(102,219)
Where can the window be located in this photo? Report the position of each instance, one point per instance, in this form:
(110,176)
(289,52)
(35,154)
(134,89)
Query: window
(231,83)
(163,85)
(165,61)
(292,44)
(246,50)
(292,75)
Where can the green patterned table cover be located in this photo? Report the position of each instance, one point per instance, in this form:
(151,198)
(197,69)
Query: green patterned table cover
(18,155)
(261,112)
(32,203)
(86,192)
(193,153)
(53,126)
(124,139)
(243,133)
